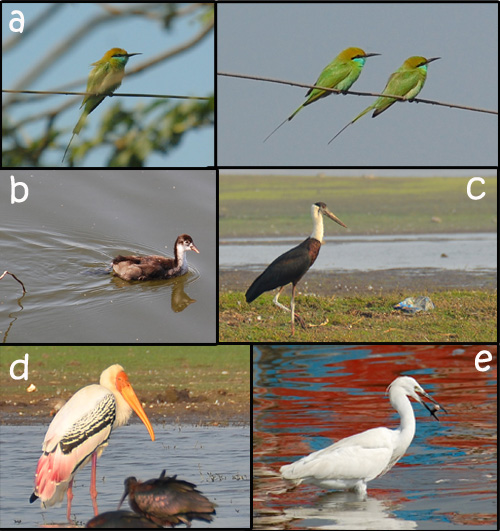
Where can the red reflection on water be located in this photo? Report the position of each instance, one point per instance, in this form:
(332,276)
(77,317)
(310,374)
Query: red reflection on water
(301,406)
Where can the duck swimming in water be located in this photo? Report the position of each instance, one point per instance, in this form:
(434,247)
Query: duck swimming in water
(155,267)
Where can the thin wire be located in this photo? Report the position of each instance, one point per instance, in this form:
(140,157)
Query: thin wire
(114,94)
(400,98)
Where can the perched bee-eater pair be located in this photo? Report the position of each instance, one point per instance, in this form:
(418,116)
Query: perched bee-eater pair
(104,79)
(340,74)
(407,81)
(345,69)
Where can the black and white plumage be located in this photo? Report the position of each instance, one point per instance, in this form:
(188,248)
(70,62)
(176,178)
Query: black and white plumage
(80,432)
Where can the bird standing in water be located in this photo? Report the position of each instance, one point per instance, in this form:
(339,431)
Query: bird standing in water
(79,433)
(104,79)
(340,74)
(168,501)
(351,462)
(407,81)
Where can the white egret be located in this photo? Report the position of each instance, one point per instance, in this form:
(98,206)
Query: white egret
(351,462)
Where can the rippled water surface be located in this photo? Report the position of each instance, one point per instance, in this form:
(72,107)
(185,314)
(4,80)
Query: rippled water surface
(61,240)
(215,459)
(308,397)
(463,252)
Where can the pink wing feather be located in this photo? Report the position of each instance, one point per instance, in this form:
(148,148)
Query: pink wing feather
(80,428)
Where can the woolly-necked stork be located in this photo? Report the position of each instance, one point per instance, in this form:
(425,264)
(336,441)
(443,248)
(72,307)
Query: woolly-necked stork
(291,266)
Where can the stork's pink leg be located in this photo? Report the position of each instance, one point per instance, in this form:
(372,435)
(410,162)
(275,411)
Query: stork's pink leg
(93,490)
(70,498)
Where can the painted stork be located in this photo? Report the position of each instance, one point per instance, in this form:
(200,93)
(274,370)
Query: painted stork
(291,266)
(80,431)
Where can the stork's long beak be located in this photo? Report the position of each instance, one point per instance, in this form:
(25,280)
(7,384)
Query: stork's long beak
(128,393)
(332,216)
(432,409)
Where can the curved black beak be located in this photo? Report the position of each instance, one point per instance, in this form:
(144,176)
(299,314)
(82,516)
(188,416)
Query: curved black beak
(127,482)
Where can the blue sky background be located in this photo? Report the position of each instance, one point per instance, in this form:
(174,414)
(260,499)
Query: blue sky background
(189,73)
(296,41)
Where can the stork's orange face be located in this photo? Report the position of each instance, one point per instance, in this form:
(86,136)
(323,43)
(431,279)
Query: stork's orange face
(125,388)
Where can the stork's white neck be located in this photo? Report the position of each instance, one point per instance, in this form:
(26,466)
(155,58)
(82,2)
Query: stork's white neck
(318,230)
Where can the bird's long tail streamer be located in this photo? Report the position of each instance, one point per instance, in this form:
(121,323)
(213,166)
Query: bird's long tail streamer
(274,131)
(350,123)
(67,147)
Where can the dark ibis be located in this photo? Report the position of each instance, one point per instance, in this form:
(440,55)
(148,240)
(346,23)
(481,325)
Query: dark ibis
(168,501)
(121,520)
(291,266)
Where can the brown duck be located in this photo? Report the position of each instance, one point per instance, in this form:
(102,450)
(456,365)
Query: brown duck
(155,267)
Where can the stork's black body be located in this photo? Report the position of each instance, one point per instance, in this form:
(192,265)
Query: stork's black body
(288,268)
(291,266)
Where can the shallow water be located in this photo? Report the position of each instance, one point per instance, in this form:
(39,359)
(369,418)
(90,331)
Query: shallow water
(308,397)
(467,252)
(215,459)
(61,239)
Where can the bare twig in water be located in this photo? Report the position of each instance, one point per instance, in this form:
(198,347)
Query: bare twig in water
(14,276)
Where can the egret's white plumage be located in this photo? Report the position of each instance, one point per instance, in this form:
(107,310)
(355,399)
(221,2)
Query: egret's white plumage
(351,462)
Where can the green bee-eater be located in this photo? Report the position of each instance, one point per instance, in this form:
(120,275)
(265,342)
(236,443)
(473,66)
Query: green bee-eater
(104,79)
(407,81)
(340,74)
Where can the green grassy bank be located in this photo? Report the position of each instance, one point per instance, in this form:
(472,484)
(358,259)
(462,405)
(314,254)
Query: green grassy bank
(273,205)
(459,316)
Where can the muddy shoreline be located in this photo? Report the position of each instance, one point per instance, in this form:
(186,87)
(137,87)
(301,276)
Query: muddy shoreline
(219,408)
(352,283)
